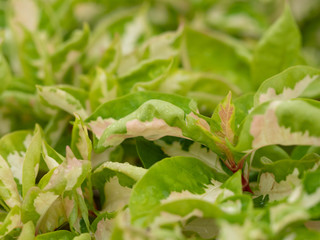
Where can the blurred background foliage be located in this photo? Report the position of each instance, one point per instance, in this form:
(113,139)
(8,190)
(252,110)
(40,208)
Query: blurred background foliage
(49,42)
(243,19)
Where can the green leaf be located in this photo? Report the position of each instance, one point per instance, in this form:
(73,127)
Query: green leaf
(60,234)
(266,154)
(103,89)
(149,153)
(294,82)
(206,88)
(177,177)
(234,183)
(28,231)
(83,236)
(243,106)
(56,127)
(111,56)
(278,49)
(145,76)
(223,55)
(50,156)
(5,73)
(31,162)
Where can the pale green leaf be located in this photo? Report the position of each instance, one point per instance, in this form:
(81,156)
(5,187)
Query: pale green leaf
(31,161)
(81,144)
(28,231)
(278,49)
(223,55)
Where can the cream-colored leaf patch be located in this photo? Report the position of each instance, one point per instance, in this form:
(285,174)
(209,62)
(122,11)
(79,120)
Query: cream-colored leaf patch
(104,229)
(283,214)
(288,93)
(117,196)
(311,200)
(240,232)
(68,204)
(25,13)
(15,222)
(134,172)
(27,141)
(68,173)
(6,177)
(153,130)
(195,150)
(167,218)
(73,172)
(212,192)
(15,160)
(51,162)
(278,191)
(133,31)
(43,201)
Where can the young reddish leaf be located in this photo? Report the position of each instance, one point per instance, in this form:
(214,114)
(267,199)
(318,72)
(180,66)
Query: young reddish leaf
(224,116)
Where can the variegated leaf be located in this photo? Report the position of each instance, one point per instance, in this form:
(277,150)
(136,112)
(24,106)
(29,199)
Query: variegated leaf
(294,82)
(81,143)
(271,123)
(71,100)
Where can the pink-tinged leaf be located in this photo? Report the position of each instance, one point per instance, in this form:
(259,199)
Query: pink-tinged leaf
(152,130)
(288,122)
(98,126)
(266,130)
(200,122)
